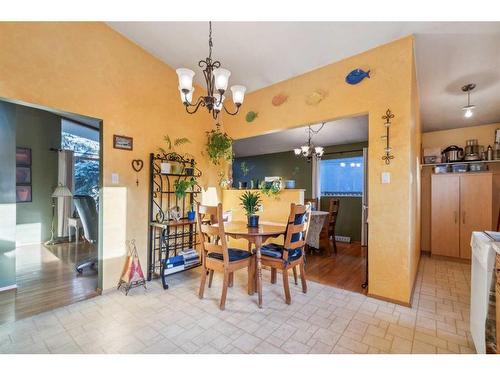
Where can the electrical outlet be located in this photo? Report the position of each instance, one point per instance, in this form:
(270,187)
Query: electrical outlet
(386,177)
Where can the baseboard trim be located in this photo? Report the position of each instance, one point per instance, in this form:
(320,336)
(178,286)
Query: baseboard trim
(8,287)
(397,302)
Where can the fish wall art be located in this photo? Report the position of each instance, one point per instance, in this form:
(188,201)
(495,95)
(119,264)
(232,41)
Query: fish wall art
(279,99)
(315,97)
(356,76)
(251,115)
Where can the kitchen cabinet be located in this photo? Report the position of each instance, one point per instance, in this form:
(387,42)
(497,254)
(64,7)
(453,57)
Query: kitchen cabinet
(460,204)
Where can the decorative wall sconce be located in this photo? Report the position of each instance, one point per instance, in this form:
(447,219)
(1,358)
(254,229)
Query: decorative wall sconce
(388,155)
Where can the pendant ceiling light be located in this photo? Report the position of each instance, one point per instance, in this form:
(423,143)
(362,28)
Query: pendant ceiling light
(309,151)
(469,108)
(216,79)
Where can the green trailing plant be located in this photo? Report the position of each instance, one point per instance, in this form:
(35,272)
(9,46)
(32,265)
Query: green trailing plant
(182,186)
(219,146)
(251,202)
(271,190)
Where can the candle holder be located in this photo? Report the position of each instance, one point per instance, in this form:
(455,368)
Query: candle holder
(388,156)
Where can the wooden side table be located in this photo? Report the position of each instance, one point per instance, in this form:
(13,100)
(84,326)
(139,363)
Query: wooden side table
(75,223)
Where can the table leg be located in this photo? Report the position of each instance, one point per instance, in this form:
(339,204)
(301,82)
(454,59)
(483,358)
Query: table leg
(251,281)
(77,234)
(258,244)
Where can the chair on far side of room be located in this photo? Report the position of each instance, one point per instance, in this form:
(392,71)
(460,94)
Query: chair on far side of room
(217,256)
(87,210)
(314,202)
(333,213)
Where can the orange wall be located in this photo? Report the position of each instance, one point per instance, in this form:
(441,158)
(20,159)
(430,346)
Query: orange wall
(392,228)
(89,69)
(485,134)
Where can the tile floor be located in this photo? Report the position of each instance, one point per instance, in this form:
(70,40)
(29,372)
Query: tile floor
(325,320)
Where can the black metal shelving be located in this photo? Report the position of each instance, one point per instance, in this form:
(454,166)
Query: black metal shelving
(168,236)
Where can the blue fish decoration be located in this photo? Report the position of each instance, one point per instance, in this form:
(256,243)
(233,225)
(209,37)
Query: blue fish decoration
(356,76)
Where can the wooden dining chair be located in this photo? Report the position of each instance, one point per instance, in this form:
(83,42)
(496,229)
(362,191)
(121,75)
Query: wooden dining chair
(217,256)
(333,212)
(291,254)
(314,202)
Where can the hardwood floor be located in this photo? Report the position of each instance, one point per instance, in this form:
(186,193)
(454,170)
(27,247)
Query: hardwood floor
(46,279)
(344,270)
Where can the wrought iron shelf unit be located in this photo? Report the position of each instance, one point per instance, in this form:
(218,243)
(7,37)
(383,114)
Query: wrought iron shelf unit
(168,235)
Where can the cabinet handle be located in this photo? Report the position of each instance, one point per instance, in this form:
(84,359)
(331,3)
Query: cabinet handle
(456,216)
(463,217)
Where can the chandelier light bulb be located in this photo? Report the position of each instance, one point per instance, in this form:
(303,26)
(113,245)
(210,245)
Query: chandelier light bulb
(468,111)
(187,97)
(305,149)
(297,151)
(219,102)
(221,78)
(238,94)
(319,151)
(185,79)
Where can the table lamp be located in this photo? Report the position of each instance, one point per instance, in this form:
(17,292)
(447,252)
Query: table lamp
(209,197)
(60,191)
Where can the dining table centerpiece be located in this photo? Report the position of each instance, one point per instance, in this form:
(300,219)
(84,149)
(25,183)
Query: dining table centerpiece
(251,203)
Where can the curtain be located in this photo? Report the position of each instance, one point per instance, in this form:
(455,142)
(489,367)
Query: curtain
(316,179)
(65,204)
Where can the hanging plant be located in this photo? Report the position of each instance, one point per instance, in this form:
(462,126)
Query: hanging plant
(271,190)
(219,146)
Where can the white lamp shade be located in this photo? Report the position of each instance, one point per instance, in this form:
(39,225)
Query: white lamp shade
(468,111)
(319,151)
(297,151)
(238,93)
(305,149)
(221,78)
(185,78)
(219,101)
(61,191)
(209,197)
(187,97)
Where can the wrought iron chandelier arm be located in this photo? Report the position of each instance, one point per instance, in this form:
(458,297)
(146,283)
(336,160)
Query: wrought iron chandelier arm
(232,113)
(199,102)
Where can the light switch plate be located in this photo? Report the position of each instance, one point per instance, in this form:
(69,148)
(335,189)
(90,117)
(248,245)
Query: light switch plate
(386,177)
(115,178)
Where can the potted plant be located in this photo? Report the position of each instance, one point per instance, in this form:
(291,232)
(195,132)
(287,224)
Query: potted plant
(191,213)
(182,186)
(167,167)
(251,203)
(219,146)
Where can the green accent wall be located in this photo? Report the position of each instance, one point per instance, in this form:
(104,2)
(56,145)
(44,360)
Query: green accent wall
(40,131)
(286,165)
(7,195)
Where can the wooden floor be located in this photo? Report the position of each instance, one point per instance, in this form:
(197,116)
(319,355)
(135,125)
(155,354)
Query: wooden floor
(46,279)
(345,270)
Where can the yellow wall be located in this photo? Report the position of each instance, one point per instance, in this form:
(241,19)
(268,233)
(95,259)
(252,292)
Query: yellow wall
(88,68)
(392,213)
(485,134)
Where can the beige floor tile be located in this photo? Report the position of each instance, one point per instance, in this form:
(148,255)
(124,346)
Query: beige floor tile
(420,347)
(350,344)
(377,342)
(401,346)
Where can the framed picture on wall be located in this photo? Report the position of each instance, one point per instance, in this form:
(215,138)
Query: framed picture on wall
(23,175)
(122,142)
(23,194)
(23,156)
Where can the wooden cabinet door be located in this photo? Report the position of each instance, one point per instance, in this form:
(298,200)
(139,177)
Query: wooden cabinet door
(475,208)
(445,212)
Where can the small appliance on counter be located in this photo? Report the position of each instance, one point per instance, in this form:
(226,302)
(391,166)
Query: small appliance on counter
(473,151)
(432,155)
(452,154)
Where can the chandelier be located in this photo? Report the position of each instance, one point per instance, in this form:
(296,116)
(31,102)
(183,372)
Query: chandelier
(216,79)
(309,151)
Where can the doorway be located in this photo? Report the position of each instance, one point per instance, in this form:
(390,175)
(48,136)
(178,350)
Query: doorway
(56,193)
(340,175)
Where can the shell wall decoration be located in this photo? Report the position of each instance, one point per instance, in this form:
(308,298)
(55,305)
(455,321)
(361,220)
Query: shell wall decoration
(251,115)
(315,97)
(279,99)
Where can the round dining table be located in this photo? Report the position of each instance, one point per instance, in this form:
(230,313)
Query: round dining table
(256,236)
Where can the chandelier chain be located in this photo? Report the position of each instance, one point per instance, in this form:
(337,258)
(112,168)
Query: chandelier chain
(210,42)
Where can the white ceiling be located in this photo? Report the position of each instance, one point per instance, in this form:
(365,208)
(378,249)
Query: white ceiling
(345,131)
(449,54)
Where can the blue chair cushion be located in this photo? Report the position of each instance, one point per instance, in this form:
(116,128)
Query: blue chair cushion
(273,250)
(234,255)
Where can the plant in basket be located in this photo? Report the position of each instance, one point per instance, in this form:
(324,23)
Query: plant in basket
(168,166)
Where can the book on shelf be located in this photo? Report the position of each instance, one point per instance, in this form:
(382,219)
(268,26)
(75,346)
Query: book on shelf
(169,271)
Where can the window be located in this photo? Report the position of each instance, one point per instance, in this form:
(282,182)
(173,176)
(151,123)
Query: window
(343,176)
(84,142)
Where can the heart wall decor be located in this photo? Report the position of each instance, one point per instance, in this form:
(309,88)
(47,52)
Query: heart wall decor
(137,165)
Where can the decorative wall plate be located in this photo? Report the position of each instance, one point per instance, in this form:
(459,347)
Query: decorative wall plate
(279,99)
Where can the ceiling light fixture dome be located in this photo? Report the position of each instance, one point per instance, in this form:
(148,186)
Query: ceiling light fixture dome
(217,81)
(469,108)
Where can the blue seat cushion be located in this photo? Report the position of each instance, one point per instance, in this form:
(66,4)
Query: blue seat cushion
(234,255)
(273,250)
